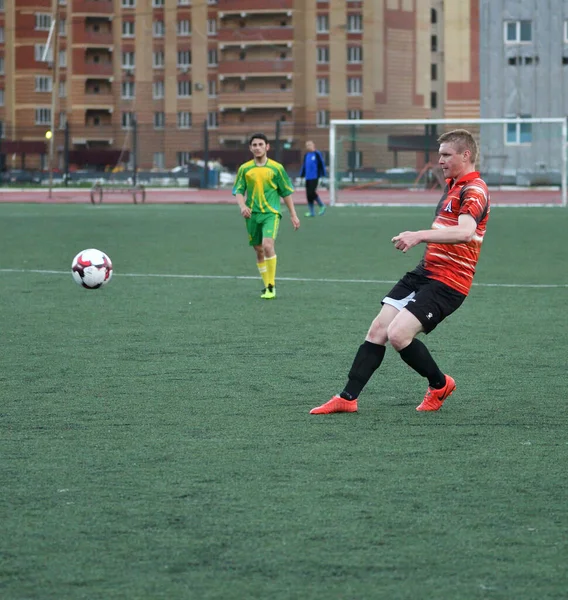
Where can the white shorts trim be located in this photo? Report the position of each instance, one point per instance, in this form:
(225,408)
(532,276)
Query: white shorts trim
(399,304)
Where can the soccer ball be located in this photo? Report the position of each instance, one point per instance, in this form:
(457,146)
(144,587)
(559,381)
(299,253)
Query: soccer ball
(91,269)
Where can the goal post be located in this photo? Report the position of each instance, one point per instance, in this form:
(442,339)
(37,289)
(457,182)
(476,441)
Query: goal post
(384,161)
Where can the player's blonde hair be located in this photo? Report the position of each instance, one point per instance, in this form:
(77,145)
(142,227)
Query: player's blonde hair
(462,140)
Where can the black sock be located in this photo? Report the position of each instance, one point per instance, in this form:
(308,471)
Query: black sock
(418,357)
(366,362)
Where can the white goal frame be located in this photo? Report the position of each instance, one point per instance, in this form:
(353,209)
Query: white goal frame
(334,123)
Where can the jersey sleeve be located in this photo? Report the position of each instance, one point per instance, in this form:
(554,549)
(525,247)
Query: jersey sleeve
(474,201)
(283,183)
(240,183)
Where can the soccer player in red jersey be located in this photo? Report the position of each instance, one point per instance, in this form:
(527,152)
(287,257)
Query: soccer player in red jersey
(424,297)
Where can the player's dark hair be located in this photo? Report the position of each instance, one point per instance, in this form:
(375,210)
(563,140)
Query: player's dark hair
(462,140)
(258,136)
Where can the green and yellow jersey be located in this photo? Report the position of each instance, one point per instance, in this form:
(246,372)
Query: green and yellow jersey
(264,186)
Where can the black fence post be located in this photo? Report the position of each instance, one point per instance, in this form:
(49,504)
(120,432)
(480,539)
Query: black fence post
(205,184)
(134,151)
(353,152)
(66,153)
(277,145)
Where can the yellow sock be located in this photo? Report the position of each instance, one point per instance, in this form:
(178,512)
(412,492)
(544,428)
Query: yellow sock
(271,270)
(263,272)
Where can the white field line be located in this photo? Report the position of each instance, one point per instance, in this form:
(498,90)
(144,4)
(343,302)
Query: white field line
(301,279)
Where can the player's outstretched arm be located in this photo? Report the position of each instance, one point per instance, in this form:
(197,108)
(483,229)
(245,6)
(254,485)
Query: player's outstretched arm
(462,232)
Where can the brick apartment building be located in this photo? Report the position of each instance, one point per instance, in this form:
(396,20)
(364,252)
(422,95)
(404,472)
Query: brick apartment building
(237,65)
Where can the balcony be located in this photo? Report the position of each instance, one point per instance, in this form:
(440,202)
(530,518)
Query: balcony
(243,130)
(94,69)
(95,38)
(100,101)
(250,36)
(93,7)
(94,133)
(254,6)
(255,67)
(255,99)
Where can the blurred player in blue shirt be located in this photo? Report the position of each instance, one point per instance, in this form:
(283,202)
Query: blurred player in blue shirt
(313,168)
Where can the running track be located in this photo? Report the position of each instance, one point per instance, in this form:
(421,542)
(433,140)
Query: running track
(346,197)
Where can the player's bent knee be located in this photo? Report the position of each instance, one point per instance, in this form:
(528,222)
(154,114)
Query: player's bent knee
(399,337)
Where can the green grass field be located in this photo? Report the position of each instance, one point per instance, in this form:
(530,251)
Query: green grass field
(155,435)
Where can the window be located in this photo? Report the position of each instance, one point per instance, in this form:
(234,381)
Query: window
(43,84)
(127,29)
(433,16)
(62,119)
(433,99)
(43,116)
(128,3)
(518,133)
(322,118)
(355,23)
(158,90)
(211,26)
(354,86)
(322,86)
(184,89)
(184,58)
(212,57)
(127,119)
(355,115)
(62,27)
(39,49)
(63,89)
(2,129)
(518,32)
(1,96)
(1,65)
(157,3)
(184,27)
(212,88)
(434,72)
(158,59)
(1,5)
(158,29)
(183,158)
(322,24)
(322,55)
(1,35)
(159,120)
(566,32)
(128,90)
(159,161)
(354,54)
(184,2)
(128,60)
(42,21)
(354,159)
(184,119)
(63,58)
(434,43)
(212,120)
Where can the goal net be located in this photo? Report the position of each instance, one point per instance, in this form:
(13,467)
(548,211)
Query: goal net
(395,162)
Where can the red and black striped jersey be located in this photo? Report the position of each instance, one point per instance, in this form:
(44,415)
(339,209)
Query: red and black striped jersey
(454,264)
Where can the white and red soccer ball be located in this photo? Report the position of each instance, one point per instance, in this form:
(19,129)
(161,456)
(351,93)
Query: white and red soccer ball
(91,269)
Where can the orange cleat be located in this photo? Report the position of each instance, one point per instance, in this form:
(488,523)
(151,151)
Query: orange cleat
(434,399)
(335,405)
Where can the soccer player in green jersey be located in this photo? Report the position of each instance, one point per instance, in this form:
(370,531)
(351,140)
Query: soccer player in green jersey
(264,181)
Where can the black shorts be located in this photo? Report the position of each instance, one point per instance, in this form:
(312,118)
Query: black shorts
(429,300)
